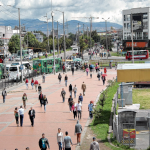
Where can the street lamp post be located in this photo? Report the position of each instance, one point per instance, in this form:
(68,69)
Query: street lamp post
(106,35)
(53,41)
(57,39)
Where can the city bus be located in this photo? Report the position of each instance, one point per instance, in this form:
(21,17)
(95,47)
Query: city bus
(138,54)
(24,53)
(46,65)
(1,70)
(2,57)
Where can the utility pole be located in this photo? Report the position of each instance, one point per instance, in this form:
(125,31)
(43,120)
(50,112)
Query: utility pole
(87,31)
(64,41)
(106,38)
(47,32)
(83,31)
(90,35)
(53,42)
(27,38)
(78,34)
(132,40)
(20,45)
(57,39)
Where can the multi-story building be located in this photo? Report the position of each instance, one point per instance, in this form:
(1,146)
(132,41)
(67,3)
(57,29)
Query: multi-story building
(140,17)
(38,36)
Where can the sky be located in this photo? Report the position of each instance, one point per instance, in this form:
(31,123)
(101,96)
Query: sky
(74,9)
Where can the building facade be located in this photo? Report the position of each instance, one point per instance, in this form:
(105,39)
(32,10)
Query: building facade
(139,18)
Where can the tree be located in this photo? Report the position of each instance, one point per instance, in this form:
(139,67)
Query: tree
(14,44)
(32,41)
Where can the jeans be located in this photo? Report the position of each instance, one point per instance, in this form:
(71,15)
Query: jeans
(36,87)
(32,85)
(66,82)
(39,92)
(63,99)
(79,114)
(99,78)
(103,82)
(4,98)
(21,120)
(43,80)
(60,145)
(70,93)
(75,94)
(45,108)
(87,73)
(59,80)
(27,85)
(70,106)
(90,114)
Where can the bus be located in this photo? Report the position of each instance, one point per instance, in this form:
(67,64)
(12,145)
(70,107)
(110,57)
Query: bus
(24,53)
(138,54)
(1,70)
(46,65)
(2,57)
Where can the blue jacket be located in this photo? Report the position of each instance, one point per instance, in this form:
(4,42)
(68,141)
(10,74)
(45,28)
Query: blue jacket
(81,98)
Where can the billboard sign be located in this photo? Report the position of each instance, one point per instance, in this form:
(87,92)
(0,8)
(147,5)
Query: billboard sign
(137,44)
(129,133)
(137,22)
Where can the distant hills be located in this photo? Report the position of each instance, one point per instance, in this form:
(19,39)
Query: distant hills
(71,26)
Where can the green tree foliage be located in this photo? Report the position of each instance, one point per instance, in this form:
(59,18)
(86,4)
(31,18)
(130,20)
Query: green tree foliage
(32,41)
(14,44)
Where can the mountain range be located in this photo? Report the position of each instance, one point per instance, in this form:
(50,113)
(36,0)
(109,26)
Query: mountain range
(71,26)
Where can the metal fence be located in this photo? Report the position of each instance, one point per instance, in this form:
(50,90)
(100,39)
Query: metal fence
(7,83)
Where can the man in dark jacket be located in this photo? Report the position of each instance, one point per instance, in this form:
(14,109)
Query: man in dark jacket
(32,116)
(39,88)
(70,102)
(43,143)
(4,94)
(41,98)
(78,130)
(63,93)
(70,89)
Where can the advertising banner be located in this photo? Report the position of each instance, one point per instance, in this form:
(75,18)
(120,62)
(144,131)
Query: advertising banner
(129,133)
(137,44)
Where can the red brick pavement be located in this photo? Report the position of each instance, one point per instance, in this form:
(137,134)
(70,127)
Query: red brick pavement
(56,116)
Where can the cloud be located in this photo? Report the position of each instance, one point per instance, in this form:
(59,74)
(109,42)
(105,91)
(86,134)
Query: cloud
(37,9)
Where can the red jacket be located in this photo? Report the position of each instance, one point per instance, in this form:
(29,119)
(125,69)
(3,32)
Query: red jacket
(36,82)
(26,80)
(32,81)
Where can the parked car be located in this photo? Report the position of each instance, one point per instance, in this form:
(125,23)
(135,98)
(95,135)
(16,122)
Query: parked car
(35,55)
(17,58)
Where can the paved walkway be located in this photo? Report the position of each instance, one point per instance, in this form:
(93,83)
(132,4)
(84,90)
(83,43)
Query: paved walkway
(56,116)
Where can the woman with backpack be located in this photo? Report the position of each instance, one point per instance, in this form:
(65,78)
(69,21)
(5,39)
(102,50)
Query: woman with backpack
(59,78)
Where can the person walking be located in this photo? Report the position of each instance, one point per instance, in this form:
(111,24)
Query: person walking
(67,142)
(43,77)
(16,116)
(45,102)
(26,82)
(31,116)
(94,145)
(70,89)
(24,99)
(59,78)
(79,109)
(75,91)
(63,68)
(39,89)
(74,109)
(98,75)
(87,71)
(60,139)
(4,94)
(43,143)
(32,83)
(72,69)
(41,98)
(21,112)
(78,130)
(63,93)
(66,79)
(90,109)
(83,87)
(36,84)
(80,98)
(70,102)
(103,79)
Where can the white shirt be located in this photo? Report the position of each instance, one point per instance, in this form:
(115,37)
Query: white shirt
(32,112)
(21,111)
(75,89)
(79,106)
(60,137)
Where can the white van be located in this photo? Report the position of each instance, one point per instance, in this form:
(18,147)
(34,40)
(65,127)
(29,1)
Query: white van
(14,72)
(28,68)
(75,50)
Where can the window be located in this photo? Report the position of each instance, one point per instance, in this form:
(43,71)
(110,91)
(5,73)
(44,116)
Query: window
(128,25)
(128,36)
(45,64)
(13,69)
(124,17)
(49,62)
(145,25)
(145,35)
(145,16)
(125,36)
(56,61)
(125,26)
(36,63)
(128,17)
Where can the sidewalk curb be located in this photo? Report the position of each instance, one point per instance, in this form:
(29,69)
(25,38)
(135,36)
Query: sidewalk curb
(87,123)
